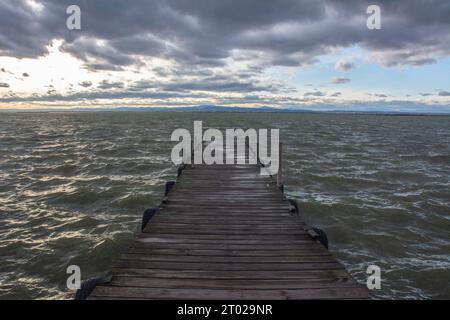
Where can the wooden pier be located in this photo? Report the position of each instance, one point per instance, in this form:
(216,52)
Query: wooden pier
(227,232)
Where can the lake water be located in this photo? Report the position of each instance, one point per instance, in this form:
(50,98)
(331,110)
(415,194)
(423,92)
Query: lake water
(73,187)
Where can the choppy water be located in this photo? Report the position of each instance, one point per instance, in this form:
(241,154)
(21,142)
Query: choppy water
(73,187)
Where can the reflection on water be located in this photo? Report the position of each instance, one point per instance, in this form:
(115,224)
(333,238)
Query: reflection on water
(73,188)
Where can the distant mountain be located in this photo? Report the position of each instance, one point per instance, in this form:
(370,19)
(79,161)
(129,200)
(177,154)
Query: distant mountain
(205,108)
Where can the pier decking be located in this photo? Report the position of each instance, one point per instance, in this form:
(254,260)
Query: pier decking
(227,232)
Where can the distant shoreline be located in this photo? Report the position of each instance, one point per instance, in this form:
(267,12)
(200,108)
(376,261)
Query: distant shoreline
(226,110)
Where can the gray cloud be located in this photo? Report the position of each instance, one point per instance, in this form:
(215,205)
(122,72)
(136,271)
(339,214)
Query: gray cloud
(441,93)
(26,75)
(344,65)
(218,86)
(98,95)
(444,93)
(339,80)
(378,95)
(315,94)
(85,84)
(105,84)
(4,85)
(212,83)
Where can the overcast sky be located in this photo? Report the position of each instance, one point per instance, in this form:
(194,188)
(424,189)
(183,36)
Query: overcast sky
(285,53)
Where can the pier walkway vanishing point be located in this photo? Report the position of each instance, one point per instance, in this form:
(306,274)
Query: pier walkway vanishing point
(227,232)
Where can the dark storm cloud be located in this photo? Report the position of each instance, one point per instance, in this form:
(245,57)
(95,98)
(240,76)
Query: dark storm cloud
(286,32)
(212,83)
(26,32)
(4,85)
(26,75)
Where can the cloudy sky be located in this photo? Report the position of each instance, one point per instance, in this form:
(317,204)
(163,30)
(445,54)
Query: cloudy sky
(285,53)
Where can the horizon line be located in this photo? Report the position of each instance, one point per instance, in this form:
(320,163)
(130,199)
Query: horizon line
(222,109)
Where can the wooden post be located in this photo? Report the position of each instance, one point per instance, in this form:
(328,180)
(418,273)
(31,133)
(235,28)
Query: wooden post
(280,167)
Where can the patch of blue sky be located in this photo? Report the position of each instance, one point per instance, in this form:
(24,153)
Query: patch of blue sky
(368,77)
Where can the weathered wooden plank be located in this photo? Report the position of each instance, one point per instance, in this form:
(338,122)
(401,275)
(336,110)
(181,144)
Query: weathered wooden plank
(166,265)
(223,231)
(222,294)
(233,274)
(298,252)
(231,283)
(278,232)
(204,222)
(237,244)
(223,246)
(232,214)
(221,239)
(223,224)
(210,216)
(226,259)
(212,228)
